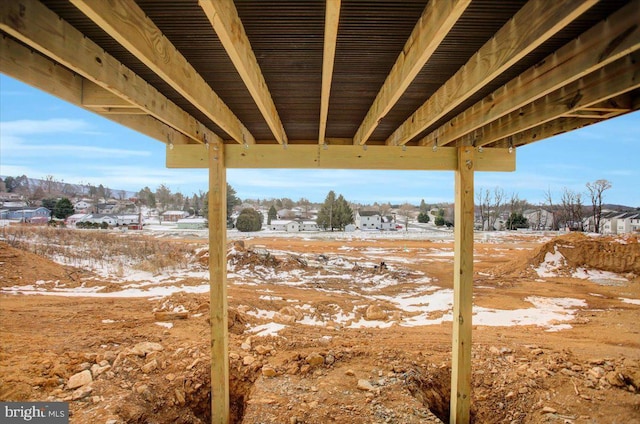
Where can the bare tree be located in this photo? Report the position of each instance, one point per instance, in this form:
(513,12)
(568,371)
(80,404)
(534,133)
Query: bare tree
(482,197)
(498,206)
(572,214)
(596,189)
(552,210)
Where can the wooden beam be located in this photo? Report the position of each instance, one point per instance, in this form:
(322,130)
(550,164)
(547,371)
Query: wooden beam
(535,23)
(225,21)
(127,23)
(435,23)
(340,157)
(331,18)
(38,27)
(462,287)
(605,43)
(542,131)
(614,79)
(21,63)
(120,111)
(94,96)
(218,284)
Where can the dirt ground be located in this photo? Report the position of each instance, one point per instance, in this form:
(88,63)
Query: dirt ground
(142,366)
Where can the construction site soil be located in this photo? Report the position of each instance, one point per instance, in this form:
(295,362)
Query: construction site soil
(319,333)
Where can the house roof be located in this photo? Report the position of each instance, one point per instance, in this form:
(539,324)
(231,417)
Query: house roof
(328,79)
(368,213)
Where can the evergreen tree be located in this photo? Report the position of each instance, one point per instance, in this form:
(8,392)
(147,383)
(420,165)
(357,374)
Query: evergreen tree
(344,213)
(147,197)
(49,203)
(326,213)
(63,208)
(439,221)
(517,220)
(423,207)
(249,220)
(334,213)
(273,214)
(232,200)
(423,217)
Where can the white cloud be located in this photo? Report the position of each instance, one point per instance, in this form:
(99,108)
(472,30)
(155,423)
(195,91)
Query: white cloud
(17,140)
(45,126)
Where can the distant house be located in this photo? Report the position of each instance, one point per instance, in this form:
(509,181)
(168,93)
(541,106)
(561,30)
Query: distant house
(106,208)
(368,220)
(14,204)
(99,218)
(293,225)
(82,206)
(192,223)
(128,219)
(309,226)
(628,223)
(112,220)
(10,197)
(76,217)
(174,216)
(26,214)
(539,219)
(278,225)
(388,223)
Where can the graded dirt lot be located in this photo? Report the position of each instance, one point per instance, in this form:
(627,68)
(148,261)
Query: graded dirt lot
(321,331)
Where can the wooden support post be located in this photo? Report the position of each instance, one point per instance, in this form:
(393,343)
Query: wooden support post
(218,285)
(463,288)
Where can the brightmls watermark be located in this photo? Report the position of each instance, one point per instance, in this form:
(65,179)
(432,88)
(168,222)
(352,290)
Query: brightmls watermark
(34,412)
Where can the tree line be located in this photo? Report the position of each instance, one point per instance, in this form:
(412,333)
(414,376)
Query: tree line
(569,210)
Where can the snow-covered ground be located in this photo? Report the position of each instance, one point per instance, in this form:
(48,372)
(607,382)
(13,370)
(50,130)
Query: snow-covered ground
(420,299)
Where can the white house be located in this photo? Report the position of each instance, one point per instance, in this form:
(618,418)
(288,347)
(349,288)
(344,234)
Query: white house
(628,223)
(76,217)
(539,219)
(309,226)
(278,225)
(128,219)
(388,223)
(368,220)
(609,222)
(82,206)
(293,225)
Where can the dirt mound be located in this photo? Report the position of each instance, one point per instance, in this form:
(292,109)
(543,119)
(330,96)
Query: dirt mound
(20,268)
(567,253)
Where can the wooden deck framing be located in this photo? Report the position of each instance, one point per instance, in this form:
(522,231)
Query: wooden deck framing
(135,63)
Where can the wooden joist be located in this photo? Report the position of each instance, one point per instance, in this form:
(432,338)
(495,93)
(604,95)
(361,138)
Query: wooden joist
(126,23)
(41,29)
(614,79)
(605,43)
(536,22)
(225,21)
(32,68)
(331,19)
(435,23)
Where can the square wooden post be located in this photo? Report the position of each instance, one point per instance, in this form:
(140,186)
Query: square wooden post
(218,285)
(462,287)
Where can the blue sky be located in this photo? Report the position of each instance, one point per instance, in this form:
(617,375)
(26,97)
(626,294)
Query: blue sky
(41,135)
